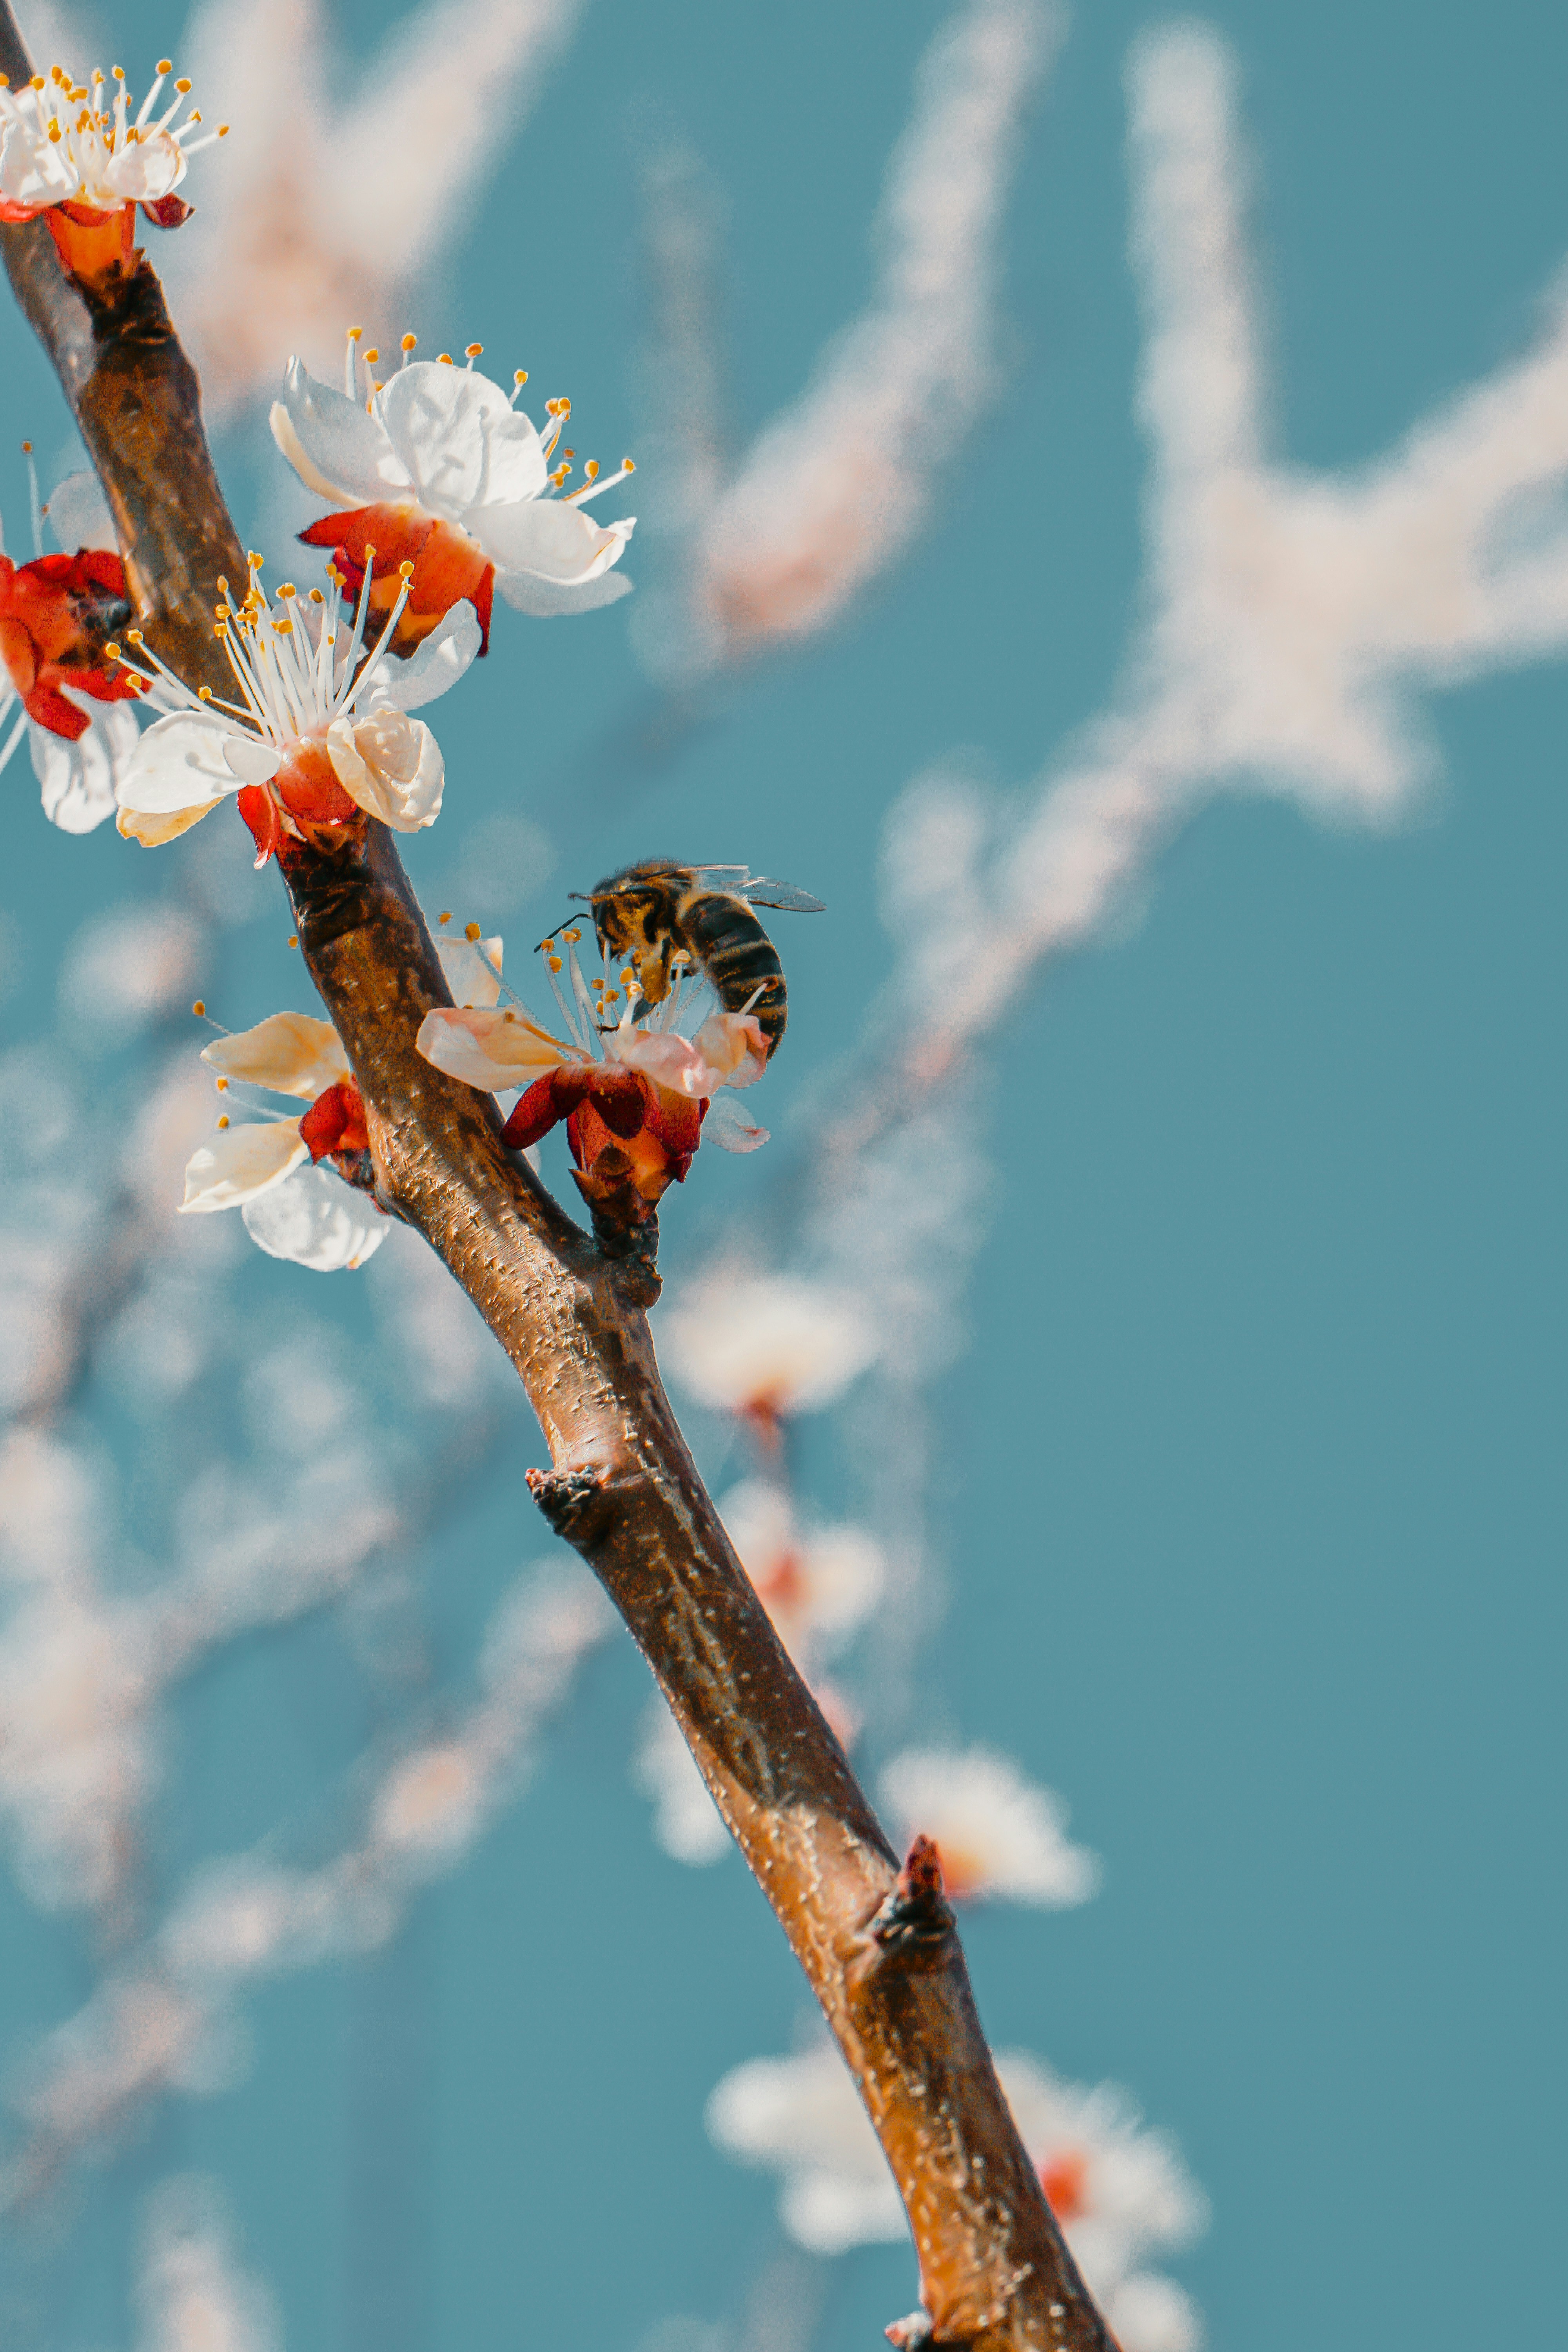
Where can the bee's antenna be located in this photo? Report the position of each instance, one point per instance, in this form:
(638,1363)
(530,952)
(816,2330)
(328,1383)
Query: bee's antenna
(584,897)
(549,935)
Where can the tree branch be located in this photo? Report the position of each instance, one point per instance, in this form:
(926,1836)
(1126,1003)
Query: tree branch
(879,1947)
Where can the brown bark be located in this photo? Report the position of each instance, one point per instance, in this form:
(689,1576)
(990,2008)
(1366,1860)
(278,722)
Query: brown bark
(880,1948)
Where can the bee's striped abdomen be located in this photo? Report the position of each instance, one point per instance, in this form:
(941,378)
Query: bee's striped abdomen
(738,956)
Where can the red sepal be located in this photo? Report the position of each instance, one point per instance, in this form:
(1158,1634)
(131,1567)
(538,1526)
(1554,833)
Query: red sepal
(532,1115)
(265,818)
(335,1121)
(448,565)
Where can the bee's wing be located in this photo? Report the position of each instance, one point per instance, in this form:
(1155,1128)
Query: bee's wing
(782,895)
(722,878)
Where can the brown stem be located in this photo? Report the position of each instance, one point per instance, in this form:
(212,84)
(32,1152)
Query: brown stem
(881,1951)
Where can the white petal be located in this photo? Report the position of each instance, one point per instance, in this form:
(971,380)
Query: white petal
(152,832)
(472,969)
(734,1043)
(241,1161)
(728,1126)
(78,514)
(33,170)
(345,448)
(667,1060)
(542,600)
(140,174)
(77,780)
(316,1220)
(491,1050)
(390,764)
(292,1053)
(436,419)
(547,538)
(251,759)
(438,662)
(179,763)
(515,464)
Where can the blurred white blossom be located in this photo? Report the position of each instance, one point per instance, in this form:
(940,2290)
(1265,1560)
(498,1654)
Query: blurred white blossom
(1120,2191)
(831,492)
(1000,1835)
(193,2294)
(818,1584)
(763,1345)
(266,267)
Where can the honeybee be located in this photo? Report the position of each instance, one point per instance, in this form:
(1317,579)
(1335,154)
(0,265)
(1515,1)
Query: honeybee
(657,912)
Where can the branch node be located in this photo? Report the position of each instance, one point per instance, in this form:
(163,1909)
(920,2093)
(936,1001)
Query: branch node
(915,1925)
(575,1505)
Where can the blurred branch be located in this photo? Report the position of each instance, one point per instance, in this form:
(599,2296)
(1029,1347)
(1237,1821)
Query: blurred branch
(880,1949)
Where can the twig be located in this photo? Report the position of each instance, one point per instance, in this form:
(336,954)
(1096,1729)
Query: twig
(880,1948)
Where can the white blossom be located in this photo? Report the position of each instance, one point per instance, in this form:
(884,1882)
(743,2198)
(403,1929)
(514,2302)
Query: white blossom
(439,443)
(62,143)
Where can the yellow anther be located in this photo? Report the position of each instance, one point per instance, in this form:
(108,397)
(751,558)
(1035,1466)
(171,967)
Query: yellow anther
(287,588)
(554,963)
(470,931)
(574,935)
(409,342)
(627,977)
(354,334)
(592,469)
(255,560)
(165,64)
(293,939)
(223,130)
(36,82)
(112,652)
(445,917)
(120,73)
(520,375)
(444,359)
(133,636)
(196,110)
(473,350)
(199,1007)
(316,597)
(204,694)
(611,996)
(372,355)
(369,555)
(223,1120)
(223,1086)
(183,84)
(405,569)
